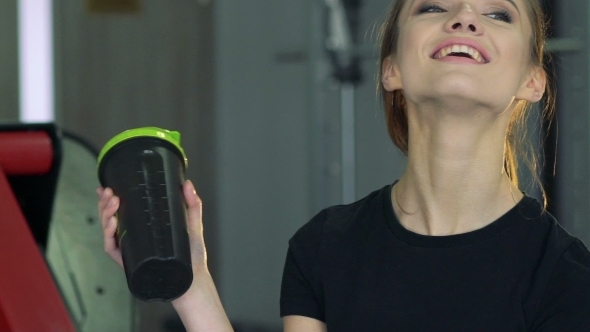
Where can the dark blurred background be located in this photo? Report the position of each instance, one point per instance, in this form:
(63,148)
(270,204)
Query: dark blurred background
(278,119)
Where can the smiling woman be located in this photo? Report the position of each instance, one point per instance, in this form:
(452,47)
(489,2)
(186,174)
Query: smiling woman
(454,244)
(517,148)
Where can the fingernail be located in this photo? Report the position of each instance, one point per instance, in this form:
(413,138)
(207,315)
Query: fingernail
(193,186)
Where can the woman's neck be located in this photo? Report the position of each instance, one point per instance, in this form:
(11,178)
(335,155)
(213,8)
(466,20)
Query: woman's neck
(454,182)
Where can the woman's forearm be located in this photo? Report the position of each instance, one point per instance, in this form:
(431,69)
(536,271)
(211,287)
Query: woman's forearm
(200,309)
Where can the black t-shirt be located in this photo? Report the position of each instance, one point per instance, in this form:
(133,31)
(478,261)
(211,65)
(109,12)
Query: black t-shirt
(356,268)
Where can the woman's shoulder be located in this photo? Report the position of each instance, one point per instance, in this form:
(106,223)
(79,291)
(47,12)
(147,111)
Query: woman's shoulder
(560,244)
(560,294)
(533,221)
(339,219)
(571,259)
(564,304)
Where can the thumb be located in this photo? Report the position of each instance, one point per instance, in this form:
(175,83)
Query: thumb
(195,223)
(194,205)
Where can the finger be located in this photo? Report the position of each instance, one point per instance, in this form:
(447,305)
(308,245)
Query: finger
(194,204)
(109,210)
(195,208)
(190,195)
(107,207)
(107,193)
(195,225)
(109,232)
(110,241)
(111,248)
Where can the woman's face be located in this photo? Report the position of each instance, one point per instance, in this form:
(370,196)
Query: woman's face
(463,50)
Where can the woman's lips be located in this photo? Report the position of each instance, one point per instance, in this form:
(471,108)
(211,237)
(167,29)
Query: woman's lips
(461,51)
(468,47)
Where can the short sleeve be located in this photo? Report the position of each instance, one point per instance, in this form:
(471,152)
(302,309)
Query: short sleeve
(566,302)
(300,287)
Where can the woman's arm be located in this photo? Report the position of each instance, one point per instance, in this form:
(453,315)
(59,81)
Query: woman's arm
(300,323)
(200,307)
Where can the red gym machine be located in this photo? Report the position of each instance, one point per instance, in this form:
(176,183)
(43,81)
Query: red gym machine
(29,163)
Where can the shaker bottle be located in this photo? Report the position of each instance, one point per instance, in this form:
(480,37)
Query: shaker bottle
(145,168)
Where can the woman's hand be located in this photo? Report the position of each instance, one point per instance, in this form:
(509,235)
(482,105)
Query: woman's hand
(107,207)
(195,228)
(200,307)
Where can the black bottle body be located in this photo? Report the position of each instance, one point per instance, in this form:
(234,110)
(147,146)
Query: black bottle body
(147,174)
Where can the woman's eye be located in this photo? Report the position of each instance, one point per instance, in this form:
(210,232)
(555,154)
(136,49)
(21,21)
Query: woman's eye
(430,8)
(501,16)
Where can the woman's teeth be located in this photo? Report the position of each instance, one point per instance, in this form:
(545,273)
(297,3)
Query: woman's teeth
(460,49)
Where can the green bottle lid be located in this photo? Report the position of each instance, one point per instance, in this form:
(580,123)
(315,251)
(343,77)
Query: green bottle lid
(173,137)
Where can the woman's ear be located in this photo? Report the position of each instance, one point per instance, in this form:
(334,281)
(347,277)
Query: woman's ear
(533,88)
(390,77)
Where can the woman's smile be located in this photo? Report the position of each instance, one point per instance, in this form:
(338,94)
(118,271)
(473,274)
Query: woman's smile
(461,50)
(440,42)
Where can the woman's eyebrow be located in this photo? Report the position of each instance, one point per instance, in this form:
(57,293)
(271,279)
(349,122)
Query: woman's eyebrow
(514,4)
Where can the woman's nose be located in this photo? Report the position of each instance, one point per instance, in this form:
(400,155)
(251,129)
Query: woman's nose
(465,19)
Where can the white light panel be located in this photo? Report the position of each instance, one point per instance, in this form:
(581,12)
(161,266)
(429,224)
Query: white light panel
(36,61)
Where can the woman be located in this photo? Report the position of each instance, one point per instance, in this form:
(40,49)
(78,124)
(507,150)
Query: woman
(454,245)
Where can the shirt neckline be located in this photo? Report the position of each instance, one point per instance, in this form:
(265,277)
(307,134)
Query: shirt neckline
(518,212)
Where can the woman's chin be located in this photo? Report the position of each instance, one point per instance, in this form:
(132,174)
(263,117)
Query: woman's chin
(461,100)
